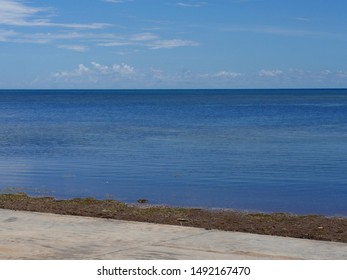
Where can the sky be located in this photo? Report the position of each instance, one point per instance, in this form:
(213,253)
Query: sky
(134,44)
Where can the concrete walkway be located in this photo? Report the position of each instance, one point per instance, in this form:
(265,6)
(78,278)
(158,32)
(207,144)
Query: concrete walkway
(27,235)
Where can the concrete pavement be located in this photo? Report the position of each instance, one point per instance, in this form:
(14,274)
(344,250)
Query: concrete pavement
(28,235)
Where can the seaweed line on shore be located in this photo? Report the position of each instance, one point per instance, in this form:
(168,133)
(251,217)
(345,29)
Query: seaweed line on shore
(279,224)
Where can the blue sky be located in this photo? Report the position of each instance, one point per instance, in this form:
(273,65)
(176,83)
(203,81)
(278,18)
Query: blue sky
(173,43)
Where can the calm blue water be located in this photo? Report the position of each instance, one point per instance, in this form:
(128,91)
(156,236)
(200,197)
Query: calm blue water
(262,150)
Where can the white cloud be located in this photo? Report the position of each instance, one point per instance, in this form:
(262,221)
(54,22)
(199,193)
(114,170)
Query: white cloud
(77,48)
(78,40)
(97,75)
(157,74)
(342,74)
(16,13)
(97,72)
(49,36)
(80,71)
(42,38)
(114,1)
(114,44)
(189,5)
(221,76)
(244,1)
(147,39)
(46,23)
(7,35)
(226,74)
(174,43)
(270,73)
(123,75)
(101,68)
(299,78)
(96,25)
(144,37)
(121,69)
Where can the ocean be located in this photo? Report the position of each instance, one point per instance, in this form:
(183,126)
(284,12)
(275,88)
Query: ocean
(249,150)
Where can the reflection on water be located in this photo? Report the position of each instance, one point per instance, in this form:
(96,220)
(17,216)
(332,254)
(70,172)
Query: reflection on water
(256,150)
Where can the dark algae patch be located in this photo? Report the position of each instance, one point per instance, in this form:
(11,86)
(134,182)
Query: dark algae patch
(280,224)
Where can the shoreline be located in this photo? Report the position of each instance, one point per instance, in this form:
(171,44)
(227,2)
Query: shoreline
(315,227)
